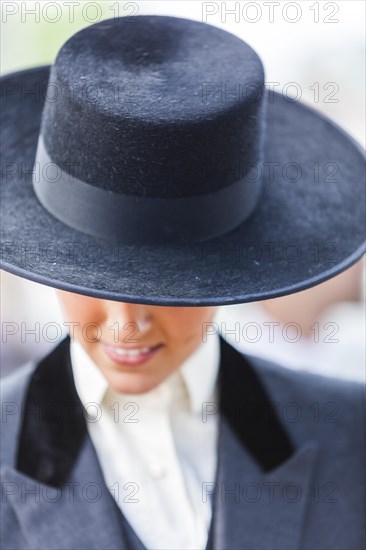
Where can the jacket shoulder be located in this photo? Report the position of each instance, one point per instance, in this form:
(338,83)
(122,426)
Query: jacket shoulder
(314,406)
(13,392)
(306,384)
(13,385)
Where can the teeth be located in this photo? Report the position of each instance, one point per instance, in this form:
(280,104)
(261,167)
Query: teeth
(131,352)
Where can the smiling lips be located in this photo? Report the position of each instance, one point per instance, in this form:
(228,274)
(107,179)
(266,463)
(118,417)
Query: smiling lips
(131,356)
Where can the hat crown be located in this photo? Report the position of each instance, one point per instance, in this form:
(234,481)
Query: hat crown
(153,106)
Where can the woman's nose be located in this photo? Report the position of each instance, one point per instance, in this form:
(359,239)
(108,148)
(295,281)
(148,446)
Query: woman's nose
(126,319)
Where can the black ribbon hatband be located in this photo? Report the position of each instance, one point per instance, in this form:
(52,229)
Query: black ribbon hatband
(134,219)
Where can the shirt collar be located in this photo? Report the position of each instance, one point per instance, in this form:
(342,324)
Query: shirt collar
(198,374)
(90,383)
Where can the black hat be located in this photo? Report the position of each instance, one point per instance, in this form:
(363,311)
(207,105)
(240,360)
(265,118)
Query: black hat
(151,164)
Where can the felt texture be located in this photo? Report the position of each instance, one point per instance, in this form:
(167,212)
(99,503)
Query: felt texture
(135,106)
(308,226)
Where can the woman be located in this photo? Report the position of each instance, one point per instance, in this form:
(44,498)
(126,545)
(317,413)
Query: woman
(144,428)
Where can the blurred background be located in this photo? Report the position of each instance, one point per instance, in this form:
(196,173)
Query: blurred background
(310,50)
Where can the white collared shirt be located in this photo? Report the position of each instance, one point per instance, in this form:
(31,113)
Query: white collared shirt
(157,450)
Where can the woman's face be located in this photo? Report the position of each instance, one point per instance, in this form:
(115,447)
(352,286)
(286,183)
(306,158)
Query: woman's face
(162,337)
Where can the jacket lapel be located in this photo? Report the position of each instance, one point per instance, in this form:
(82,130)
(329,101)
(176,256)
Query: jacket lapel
(259,474)
(257,510)
(263,483)
(78,515)
(57,489)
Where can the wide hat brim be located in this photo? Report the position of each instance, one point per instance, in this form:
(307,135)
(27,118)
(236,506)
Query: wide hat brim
(309,224)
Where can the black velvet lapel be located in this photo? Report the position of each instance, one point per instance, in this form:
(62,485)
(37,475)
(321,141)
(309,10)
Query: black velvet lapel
(246,404)
(53,424)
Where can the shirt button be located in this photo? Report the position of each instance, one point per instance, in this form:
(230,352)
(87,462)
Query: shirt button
(157,471)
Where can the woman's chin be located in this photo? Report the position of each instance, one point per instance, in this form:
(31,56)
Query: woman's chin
(132,382)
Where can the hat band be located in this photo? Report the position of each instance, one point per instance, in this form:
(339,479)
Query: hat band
(143,220)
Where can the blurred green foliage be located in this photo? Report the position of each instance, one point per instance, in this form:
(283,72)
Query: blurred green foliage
(33,32)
